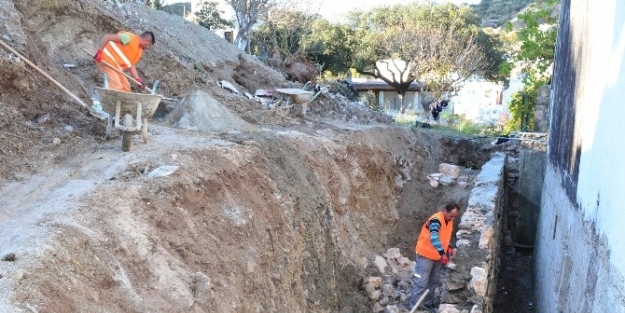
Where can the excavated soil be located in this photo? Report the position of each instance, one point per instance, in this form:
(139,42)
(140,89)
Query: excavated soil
(269,212)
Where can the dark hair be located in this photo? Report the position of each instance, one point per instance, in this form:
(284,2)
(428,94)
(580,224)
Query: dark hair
(149,35)
(450,207)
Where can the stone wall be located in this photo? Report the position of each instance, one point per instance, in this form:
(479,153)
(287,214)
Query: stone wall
(469,284)
(541,116)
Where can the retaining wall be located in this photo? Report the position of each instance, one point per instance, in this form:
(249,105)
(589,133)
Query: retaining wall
(469,284)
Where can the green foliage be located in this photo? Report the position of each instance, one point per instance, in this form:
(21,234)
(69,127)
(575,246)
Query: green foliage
(438,45)
(405,119)
(371,101)
(209,16)
(155,4)
(329,45)
(461,125)
(535,52)
(537,38)
(283,33)
(500,10)
(339,87)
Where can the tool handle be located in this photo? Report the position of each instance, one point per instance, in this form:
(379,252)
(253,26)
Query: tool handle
(120,72)
(414,309)
(54,81)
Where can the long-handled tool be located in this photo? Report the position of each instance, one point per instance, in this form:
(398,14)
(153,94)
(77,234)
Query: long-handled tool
(414,308)
(91,111)
(120,72)
(128,76)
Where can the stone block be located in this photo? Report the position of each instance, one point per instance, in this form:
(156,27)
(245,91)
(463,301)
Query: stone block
(448,308)
(380,263)
(476,308)
(449,170)
(375,295)
(486,239)
(479,281)
(393,253)
(201,288)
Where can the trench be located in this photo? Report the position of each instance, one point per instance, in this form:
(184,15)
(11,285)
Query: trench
(266,222)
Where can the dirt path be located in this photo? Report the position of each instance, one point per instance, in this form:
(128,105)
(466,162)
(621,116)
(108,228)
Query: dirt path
(31,205)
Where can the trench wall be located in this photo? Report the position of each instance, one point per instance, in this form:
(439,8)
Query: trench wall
(470,281)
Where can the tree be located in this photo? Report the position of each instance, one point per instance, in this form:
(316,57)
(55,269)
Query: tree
(534,52)
(330,45)
(247,12)
(155,4)
(281,33)
(436,45)
(209,16)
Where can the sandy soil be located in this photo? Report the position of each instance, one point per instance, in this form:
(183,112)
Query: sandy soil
(260,211)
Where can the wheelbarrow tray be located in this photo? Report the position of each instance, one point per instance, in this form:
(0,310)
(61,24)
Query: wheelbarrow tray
(298,96)
(128,102)
(131,112)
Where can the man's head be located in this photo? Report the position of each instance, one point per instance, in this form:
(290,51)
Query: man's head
(147,39)
(451,211)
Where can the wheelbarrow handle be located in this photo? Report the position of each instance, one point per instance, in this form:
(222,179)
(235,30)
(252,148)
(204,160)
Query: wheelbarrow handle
(120,72)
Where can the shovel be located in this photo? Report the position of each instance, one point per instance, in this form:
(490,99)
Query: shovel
(120,72)
(91,111)
(414,308)
(127,76)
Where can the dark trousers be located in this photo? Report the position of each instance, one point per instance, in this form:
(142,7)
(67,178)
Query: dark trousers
(427,276)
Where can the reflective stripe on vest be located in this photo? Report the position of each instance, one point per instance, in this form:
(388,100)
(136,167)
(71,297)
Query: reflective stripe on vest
(124,56)
(424,246)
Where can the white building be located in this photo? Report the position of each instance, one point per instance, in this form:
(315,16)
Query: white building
(580,244)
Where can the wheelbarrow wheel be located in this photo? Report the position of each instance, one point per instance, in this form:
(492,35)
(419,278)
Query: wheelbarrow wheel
(126,141)
(144,129)
(109,126)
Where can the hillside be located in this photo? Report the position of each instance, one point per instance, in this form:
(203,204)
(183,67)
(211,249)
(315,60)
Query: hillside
(500,10)
(229,206)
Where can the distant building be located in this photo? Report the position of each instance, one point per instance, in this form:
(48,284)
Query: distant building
(480,101)
(387,96)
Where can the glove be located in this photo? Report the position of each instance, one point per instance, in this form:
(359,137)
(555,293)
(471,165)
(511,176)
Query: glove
(451,252)
(141,84)
(444,259)
(98,56)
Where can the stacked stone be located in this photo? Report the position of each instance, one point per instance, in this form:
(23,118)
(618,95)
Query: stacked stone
(469,284)
(392,289)
(447,175)
(534,141)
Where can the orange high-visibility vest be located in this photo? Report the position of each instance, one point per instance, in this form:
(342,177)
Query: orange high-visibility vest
(124,56)
(424,246)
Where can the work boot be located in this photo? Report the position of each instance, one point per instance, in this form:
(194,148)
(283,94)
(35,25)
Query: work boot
(432,308)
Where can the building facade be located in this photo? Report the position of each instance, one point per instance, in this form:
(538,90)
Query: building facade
(580,244)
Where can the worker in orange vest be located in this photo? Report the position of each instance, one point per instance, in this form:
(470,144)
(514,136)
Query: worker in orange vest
(433,250)
(123,51)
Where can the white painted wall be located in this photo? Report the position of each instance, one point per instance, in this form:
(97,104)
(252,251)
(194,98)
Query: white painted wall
(580,266)
(477,100)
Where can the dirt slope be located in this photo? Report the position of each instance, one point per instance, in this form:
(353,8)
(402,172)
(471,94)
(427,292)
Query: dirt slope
(284,216)
(278,221)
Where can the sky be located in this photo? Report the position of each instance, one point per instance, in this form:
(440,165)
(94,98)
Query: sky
(333,10)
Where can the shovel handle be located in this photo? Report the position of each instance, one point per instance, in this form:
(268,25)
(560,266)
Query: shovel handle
(120,72)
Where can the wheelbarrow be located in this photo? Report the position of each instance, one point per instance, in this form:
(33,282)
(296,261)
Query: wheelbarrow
(297,96)
(131,113)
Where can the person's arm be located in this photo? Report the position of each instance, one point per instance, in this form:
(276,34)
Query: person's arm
(133,71)
(435,227)
(107,38)
(123,38)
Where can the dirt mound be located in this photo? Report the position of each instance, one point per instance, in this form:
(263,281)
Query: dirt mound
(200,111)
(280,220)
